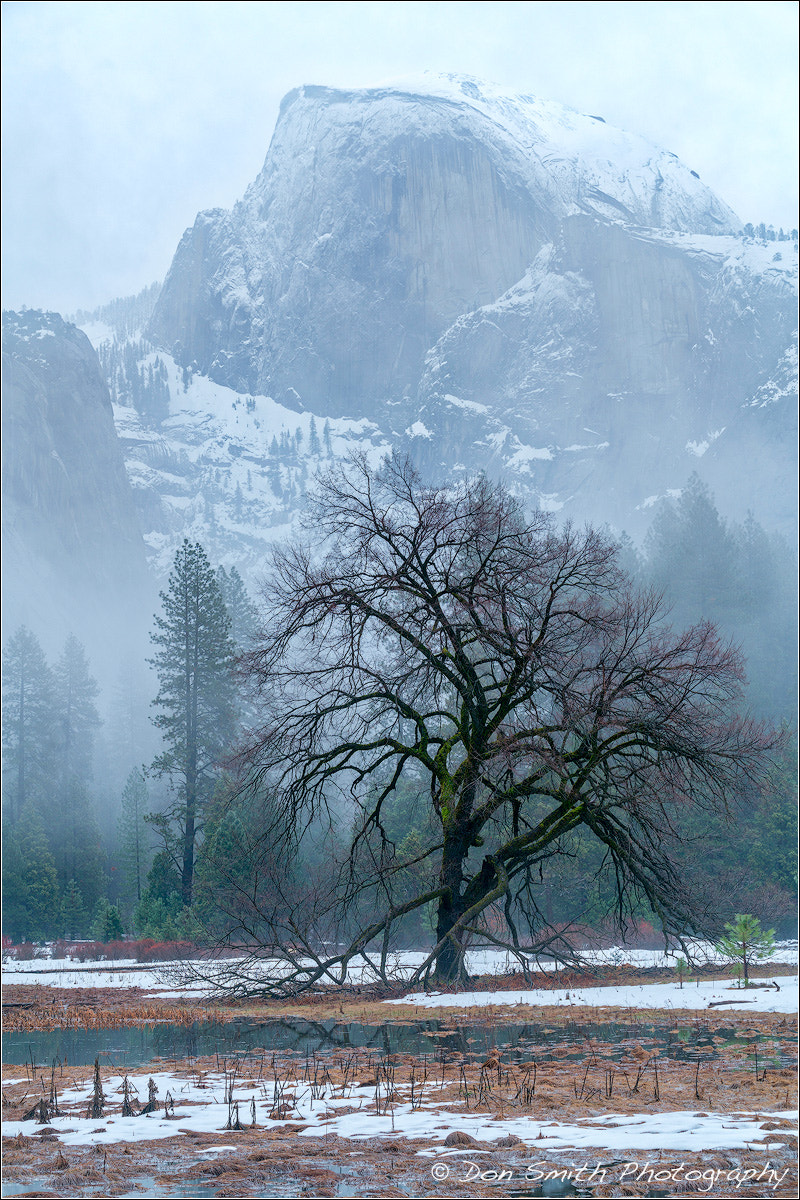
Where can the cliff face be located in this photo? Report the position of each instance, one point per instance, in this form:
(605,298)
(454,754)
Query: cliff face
(73,553)
(382,216)
(487,281)
(620,360)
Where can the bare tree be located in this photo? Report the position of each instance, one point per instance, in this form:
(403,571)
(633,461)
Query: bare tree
(441,634)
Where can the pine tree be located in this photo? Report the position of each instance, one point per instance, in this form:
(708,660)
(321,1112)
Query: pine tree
(193,660)
(241,609)
(692,556)
(31,905)
(28,743)
(78,847)
(76,713)
(133,839)
(106,922)
(74,918)
(72,826)
(745,943)
(130,731)
(313,439)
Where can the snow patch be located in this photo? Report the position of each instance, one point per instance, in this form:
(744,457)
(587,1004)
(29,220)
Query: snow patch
(199,1106)
(698,449)
(694,996)
(471,405)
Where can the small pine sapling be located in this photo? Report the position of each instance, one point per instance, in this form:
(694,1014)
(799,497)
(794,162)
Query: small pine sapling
(744,943)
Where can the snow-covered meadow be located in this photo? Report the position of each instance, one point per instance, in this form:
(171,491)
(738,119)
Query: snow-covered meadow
(349,1111)
(770,995)
(193,978)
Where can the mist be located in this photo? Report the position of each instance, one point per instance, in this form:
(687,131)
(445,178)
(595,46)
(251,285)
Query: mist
(593,305)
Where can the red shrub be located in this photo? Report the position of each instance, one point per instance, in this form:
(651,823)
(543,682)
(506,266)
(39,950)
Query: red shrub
(148,950)
(85,951)
(117,950)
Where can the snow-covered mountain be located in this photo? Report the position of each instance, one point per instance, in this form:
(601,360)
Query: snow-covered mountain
(488,281)
(224,468)
(380,217)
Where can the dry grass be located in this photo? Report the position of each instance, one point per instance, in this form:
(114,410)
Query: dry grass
(48,1008)
(577,1079)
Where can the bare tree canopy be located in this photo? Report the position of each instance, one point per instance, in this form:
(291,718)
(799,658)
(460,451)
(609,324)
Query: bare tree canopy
(442,635)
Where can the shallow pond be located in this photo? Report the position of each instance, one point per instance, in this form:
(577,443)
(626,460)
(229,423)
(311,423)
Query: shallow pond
(145,1186)
(131,1047)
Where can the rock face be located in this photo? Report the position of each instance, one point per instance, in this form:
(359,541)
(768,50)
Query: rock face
(497,281)
(622,359)
(382,216)
(73,557)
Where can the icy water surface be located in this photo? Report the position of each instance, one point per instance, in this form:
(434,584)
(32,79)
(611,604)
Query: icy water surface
(145,1186)
(137,1046)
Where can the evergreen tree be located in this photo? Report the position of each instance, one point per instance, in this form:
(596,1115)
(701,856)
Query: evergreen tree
(275,482)
(74,919)
(765,618)
(629,557)
(76,713)
(77,846)
(313,439)
(756,575)
(130,732)
(106,922)
(158,913)
(771,839)
(241,609)
(133,838)
(692,556)
(31,907)
(72,826)
(746,943)
(193,660)
(738,577)
(28,744)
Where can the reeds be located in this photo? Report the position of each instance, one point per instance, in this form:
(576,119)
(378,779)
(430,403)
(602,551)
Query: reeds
(79,1015)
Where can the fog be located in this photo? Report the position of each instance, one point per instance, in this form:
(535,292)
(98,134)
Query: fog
(122,121)
(439,268)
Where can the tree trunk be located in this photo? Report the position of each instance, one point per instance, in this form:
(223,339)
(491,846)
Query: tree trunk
(450,959)
(190,816)
(22,736)
(188,850)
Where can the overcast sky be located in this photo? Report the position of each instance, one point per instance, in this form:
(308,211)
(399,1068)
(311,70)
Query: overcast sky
(122,120)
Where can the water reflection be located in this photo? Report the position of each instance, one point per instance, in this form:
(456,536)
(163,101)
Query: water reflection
(139,1045)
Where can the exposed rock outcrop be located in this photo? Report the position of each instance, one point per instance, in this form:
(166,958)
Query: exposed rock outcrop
(73,555)
(490,281)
